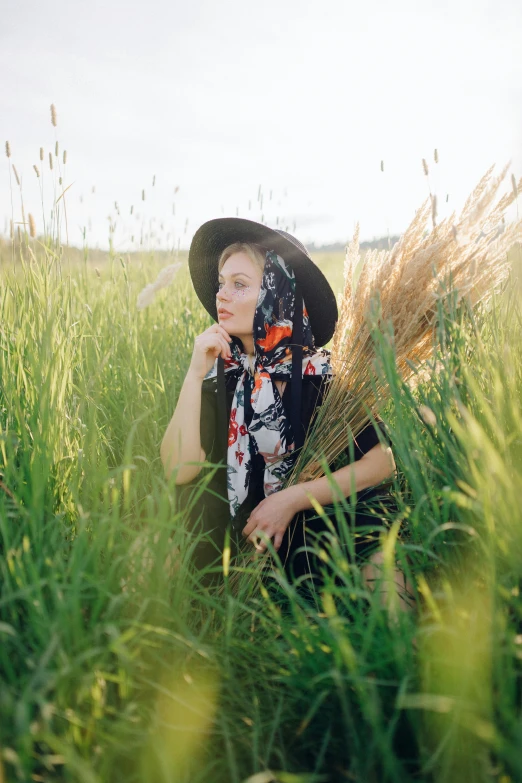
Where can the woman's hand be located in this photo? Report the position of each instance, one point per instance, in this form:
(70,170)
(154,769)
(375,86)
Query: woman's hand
(208,345)
(270,518)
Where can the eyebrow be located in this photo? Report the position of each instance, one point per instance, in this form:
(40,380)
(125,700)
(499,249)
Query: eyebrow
(236,274)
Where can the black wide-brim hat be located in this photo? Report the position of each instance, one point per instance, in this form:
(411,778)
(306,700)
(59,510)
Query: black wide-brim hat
(214,236)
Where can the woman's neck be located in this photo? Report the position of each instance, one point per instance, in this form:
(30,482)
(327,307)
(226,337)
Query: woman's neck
(248,345)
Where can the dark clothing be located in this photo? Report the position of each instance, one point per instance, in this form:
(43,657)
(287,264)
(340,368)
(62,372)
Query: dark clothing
(214,508)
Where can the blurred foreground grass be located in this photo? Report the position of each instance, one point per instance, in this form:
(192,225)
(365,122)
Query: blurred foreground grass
(116,664)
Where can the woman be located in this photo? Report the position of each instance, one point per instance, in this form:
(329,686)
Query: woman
(255,378)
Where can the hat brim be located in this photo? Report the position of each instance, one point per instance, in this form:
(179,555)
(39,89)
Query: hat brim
(214,236)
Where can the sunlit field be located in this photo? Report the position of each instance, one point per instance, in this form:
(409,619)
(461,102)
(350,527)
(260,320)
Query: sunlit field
(118,665)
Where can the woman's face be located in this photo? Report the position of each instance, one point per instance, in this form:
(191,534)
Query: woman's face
(239,286)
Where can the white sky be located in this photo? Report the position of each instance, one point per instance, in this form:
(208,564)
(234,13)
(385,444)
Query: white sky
(304,98)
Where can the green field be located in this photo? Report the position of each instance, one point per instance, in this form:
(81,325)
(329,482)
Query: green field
(117,665)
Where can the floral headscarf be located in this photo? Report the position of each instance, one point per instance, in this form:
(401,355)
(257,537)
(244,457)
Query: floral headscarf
(269,432)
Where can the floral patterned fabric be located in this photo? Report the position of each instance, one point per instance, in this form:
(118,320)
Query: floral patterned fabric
(269,432)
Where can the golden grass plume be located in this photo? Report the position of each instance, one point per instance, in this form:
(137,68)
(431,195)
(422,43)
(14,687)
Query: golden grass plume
(164,278)
(407,281)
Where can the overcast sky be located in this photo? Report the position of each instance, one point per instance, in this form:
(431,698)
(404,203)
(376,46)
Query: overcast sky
(218,98)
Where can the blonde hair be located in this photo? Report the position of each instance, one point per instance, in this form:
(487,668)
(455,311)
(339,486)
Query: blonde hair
(256,254)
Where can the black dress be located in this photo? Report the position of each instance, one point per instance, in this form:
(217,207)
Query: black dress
(210,511)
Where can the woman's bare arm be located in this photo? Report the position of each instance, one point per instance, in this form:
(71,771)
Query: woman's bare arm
(274,513)
(182,440)
(372,468)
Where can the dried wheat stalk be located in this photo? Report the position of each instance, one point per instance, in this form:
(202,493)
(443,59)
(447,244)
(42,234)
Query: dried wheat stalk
(471,255)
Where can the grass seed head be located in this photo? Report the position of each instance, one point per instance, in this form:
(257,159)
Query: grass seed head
(436,156)
(35,167)
(56,149)
(434,209)
(164,278)
(41,153)
(382,165)
(51,161)
(65,157)
(53,115)
(514,185)
(8,149)
(425,166)
(427,415)
(143,195)
(16,175)
(32,226)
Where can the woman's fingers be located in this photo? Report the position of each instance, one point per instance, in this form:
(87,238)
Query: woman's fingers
(213,342)
(223,331)
(226,348)
(219,344)
(249,527)
(278,538)
(259,539)
(222,336)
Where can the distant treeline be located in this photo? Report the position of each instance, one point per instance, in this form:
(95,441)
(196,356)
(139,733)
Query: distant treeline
(95,255)
(381,243)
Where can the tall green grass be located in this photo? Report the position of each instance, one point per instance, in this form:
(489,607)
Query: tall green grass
(116,663)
